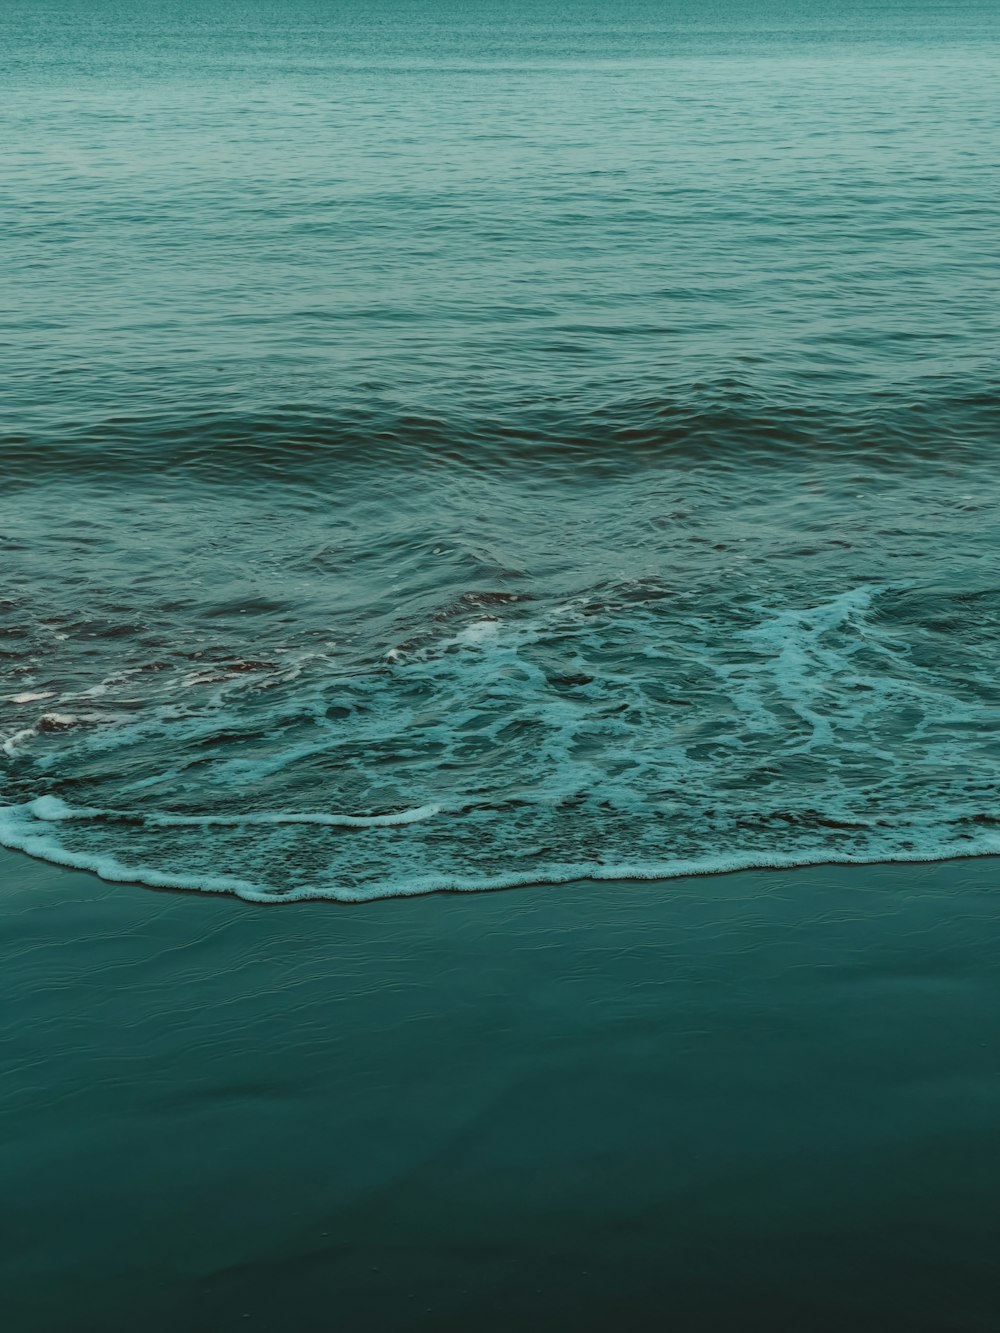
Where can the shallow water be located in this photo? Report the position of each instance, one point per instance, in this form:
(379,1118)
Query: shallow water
(453,447)
(764,1101)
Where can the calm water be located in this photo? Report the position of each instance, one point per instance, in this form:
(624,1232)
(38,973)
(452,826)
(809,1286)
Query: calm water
(457,446)
(765,1102)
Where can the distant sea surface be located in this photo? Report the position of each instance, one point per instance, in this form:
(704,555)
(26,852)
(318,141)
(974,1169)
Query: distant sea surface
(455,446)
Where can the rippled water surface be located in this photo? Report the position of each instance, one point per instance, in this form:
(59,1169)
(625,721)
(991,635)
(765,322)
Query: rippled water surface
(456,446)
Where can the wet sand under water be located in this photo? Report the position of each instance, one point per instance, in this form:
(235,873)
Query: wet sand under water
(765,1100)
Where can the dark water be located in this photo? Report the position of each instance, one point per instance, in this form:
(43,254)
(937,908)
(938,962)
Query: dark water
(767,1102)
(454,446)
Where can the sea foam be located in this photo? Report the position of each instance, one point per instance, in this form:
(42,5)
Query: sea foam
(612,739)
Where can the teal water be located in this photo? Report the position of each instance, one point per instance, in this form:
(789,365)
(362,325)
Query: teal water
(465,445)
(458,446)
(767,1102)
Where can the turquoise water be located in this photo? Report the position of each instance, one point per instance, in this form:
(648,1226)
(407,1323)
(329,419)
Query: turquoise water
(453,447)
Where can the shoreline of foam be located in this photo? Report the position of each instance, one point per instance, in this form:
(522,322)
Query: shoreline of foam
(113,871)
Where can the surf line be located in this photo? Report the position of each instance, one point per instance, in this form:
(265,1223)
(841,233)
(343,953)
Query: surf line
(52,810)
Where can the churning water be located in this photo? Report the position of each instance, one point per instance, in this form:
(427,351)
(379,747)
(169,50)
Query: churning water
(452,446)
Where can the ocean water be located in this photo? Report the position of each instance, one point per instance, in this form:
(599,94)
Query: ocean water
(456,446)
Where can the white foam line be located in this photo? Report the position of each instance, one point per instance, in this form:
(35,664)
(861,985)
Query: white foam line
(591,872)
(109,868)
(52,810)
(413,816)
